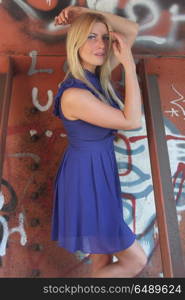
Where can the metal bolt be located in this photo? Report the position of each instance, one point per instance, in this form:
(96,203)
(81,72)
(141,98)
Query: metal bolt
(34,195)
(34,166)
(34,110)
(35,222)
(37,247)
(34,137)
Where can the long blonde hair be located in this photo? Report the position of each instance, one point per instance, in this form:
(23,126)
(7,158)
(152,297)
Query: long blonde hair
(76,37)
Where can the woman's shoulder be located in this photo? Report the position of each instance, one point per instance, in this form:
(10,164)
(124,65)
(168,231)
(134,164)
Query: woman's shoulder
(69,82)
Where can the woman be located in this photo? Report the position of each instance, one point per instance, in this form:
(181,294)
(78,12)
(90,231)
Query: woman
(87,212)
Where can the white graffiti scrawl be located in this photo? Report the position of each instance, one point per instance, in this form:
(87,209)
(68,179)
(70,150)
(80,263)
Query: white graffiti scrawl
(179,104)
(161,23)
(6,232)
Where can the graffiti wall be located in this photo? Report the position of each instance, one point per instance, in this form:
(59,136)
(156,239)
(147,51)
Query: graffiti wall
(36,140)
(31,24)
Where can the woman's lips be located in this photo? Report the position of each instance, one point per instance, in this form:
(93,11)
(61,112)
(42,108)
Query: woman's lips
(100,54)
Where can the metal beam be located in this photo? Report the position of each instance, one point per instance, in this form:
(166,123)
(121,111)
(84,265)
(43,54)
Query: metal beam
(5,97)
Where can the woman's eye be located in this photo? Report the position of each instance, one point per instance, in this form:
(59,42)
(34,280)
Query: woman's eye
(91,36)
(106,37)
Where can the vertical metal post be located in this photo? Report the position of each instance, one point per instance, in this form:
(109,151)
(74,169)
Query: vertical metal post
(170,245)
(5,97)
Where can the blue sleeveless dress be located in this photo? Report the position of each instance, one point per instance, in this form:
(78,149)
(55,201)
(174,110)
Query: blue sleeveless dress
(87,210)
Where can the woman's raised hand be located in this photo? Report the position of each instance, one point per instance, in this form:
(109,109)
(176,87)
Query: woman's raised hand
(69,14)
(121,48)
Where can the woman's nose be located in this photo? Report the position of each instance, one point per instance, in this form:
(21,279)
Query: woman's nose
(101,43)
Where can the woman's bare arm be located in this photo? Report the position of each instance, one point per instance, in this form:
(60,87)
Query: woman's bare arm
(82,104)
(123,53)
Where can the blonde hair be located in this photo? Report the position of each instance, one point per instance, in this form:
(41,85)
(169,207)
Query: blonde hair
(76,37)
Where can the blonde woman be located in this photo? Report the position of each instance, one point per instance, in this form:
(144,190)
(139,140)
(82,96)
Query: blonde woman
(87,213)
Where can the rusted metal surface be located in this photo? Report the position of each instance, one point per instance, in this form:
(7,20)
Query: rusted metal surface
(171,252)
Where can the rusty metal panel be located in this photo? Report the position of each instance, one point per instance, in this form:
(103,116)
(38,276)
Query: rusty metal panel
(172,257)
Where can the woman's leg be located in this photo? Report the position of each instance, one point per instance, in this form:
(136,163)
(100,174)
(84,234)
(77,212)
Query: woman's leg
(131,262)
(98,261)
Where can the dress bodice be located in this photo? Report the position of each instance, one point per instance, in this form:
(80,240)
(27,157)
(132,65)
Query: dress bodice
(79,128)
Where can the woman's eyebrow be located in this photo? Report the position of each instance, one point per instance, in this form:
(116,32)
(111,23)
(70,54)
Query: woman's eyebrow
(97,33)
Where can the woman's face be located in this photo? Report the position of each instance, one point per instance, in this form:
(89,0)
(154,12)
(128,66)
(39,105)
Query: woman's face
(94,51)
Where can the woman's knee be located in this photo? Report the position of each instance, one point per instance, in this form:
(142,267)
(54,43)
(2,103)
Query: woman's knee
(140,262)
(133,256)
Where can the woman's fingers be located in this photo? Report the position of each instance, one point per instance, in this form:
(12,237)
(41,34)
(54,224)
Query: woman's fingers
(62,18)
(116,45)
(69,14)
(115,49)
(121,48)
(65,11)
(56,20)
(65,15)
(119,38)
